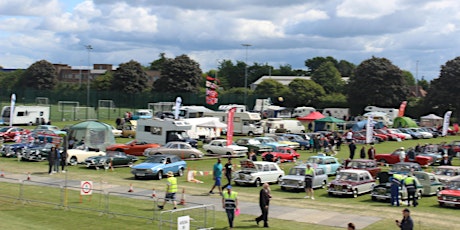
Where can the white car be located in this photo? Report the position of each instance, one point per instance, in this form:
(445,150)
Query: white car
(76,156)
(398,132)
(116,132)
(426,135)
(258,173)
(220,147)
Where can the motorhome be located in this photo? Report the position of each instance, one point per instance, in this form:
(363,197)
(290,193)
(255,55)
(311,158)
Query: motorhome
(391,112)
(244,123)
(162,131)
(272,125)
(192,111)
(302,111)
(205,128)
(225,108)
(339,113)
(26,115)
(379,117)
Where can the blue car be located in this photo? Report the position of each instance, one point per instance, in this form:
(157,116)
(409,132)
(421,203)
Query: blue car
(329,164)
(270,141)
(304,144)
(158,165)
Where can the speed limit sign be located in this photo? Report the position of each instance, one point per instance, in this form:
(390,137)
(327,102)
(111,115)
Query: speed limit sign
(86,187)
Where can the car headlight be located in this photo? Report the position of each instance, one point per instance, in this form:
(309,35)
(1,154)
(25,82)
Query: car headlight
(349,186)
(454,199)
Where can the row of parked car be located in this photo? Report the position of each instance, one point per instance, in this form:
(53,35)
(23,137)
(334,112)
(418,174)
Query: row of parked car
(398,134)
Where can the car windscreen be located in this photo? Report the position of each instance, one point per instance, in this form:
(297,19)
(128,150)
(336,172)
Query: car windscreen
(154,160)
(297,171)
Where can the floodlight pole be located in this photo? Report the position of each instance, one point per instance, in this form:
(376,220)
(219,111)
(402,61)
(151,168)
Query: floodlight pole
(246,74)
(89,48)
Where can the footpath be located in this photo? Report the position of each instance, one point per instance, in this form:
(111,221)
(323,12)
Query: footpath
(306,215)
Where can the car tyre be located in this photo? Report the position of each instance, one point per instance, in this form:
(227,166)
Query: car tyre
(323,184)
(419,195)
(107,165)
(181,172)
(258,183)
(355,193)
(302,147)
(160,175)
(192,156)
(283,188)
(330,194)
(73,161)
(209,152)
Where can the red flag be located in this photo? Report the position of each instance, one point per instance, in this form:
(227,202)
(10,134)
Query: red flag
(402,108)
(211,93)
(231,113)
(211,100)
(210,78)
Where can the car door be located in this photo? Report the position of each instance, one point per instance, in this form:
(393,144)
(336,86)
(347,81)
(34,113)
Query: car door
(170,165)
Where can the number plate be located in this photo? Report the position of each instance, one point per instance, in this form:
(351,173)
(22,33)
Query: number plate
(140,174)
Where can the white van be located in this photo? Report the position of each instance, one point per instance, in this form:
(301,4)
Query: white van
(291,126)
(302,111)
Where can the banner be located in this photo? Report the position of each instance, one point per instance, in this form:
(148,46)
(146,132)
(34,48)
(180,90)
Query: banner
(13,101)
(445,125)
(176,110)
(211,93)
(402,109)
(230,115)
(369,129)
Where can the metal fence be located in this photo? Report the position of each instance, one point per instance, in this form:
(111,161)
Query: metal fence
(65,194)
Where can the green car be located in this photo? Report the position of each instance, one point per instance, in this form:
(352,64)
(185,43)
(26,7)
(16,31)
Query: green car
(431,184)
(253,145)
(111,159)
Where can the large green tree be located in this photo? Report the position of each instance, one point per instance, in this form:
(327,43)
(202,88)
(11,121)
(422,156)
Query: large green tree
(130,78)
(9,80)
(303,92)
(270,88)
(180,74)
(103,82)
(314,63)
(443,93)
(345,68)
(376,82)
(328,77)
(41,75)
(158,64)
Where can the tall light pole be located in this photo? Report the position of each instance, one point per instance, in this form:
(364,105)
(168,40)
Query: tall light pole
(89,48)
(416,79)
(246,74)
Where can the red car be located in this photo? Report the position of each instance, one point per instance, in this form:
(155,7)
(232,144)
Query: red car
(364,164)
(450,196)
(282,154)
(133,147)
(8,133)
(392,137)
(393,158)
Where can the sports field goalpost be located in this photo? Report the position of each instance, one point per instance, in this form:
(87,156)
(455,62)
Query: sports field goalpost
(42,101)
(67,109)
(106,109)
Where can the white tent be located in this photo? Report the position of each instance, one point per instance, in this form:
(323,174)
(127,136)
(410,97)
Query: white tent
(431,120)
(205,127)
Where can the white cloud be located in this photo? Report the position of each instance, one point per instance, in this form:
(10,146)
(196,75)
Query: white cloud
(367,9)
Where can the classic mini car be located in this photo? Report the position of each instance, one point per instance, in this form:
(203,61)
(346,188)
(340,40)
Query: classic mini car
(253,145)
(134,147)
(295,179)
(51,128)
(304,144)
(329,164)
(393,158)
(158,165)
(78,156)
(382,191)
(269,141)
(178,148)
(363,164)
(9,133)
(445,173)
(282,154)
(110,159)
(431,185)
(405,167)
(257,172)
(351,182)
(450,196)
(220,147)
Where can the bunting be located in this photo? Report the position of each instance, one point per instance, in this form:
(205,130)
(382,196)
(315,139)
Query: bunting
(211,93)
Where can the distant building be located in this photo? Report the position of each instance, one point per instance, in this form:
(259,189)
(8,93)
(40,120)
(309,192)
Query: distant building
(285,80)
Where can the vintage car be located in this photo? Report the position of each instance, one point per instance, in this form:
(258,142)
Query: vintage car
(116,132)
(78,156)
(253,145)
(110,159)
(9,133)
(393,158)
(51,128)
(450,196)
(363,164)
(37,153)
(431,184)
(351,182)
(181,149)
(295,179)
(445,173)
(329,164)
(304,144)
(382,191)
(399,133)
(405,167)
(257,172)
(269,141)
(282,154)
(220,147)
(158,165)
(134,147)
(286,141)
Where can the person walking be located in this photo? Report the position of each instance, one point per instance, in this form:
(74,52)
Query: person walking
(217,176)
(371,152)
(411,187)
(57,161)
(309,174)
(171,190)
(352,147)
(63,160)
(230,204)
(264,202)
(406,223)
(228,172)
(51,160)
(362,152)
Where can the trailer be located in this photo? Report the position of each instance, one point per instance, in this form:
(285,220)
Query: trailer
(26,115)
(162,131)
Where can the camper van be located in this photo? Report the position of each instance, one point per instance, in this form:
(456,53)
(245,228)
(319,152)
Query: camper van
(26,115)
(271,125)
(391,112)
(162,131)
(244,123)
(225,108)
(192,111)
(339,113)
(205,128)
(302,111)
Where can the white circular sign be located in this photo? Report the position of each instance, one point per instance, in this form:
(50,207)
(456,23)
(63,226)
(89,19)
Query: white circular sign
(86,188)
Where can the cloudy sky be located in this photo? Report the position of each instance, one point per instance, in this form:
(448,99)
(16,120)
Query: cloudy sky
(416,35)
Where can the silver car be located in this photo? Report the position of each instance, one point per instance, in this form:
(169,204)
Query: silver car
(296,178)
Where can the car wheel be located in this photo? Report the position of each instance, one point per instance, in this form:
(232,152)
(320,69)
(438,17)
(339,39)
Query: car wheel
(136,177)
(330,194)
(228,153)
(302,147)
(323,184)
(181,172)
(160,175)
(279,180)
(73,161)
(355,193)
(374,198)
(119,150)
(192,156)
(294,159)
(157,154)
(283,188)
(209,152)
(250,134)
(107,165)
(419,195)
(278,160)
(258,183)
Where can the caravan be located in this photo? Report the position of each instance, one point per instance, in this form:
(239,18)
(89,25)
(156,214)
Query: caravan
(390,112)
(339,113)
(26,115)
(205,128)
(302,111)
(273,125)
(162,131)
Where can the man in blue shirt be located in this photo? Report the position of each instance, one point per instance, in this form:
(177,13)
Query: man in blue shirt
(217,176)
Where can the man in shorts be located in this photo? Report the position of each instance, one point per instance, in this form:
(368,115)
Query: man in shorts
(309,174)
(217,176)
(171,190)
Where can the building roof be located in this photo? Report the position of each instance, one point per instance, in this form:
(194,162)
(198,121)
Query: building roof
(285,80)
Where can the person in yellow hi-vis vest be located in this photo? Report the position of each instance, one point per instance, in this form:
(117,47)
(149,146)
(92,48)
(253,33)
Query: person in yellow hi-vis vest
(411,187)
(171,190)
(230,204)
